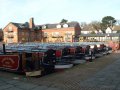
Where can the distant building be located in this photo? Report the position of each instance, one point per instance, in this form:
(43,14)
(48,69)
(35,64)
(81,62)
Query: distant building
(111,34)
(108,30)
(21,32)
(114,29)
(88,29)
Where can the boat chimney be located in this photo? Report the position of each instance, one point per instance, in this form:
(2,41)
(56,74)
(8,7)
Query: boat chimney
(4,51)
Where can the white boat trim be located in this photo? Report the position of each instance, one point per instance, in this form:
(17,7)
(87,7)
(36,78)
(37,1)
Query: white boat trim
(99,55)
(110,51)
(93,57)
(60,66)
(78,61)
(104,53)
(87,57)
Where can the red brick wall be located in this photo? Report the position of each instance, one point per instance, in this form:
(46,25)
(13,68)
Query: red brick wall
(27,35)
(23,35)
(19,35)
(14,33)
(62,32)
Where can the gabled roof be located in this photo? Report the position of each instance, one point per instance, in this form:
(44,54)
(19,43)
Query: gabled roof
(116,28)
(48,26)
(109,28)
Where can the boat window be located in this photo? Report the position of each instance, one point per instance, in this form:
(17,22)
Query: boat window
(28,55)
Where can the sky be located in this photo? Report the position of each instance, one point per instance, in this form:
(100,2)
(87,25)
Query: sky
(53,11)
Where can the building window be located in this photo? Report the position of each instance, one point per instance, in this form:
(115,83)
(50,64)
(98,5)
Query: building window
(10,40)
(44,27)
(15,33)
(45,34)
(68,36)
(23,39)
(65,25)
(23,33)
(68,33)
(10,29)
(56,34)
(59,26)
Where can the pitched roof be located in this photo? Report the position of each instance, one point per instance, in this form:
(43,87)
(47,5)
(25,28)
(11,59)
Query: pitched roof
(116,28)
(50,26)
(1,30)
(88,28)
(72,24)
(21,25)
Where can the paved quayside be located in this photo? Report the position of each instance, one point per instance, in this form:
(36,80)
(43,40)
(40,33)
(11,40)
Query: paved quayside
(101,74)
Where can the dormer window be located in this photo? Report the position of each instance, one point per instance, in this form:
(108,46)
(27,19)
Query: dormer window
(65,25)
(44,27)
(59,26)
(22,26)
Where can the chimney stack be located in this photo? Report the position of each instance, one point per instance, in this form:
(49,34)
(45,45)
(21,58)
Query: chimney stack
(31,23)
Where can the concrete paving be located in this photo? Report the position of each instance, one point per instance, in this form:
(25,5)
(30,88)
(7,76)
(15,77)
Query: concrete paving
(9,84)
(108,78)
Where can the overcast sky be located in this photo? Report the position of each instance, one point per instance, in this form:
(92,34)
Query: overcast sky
(52,11)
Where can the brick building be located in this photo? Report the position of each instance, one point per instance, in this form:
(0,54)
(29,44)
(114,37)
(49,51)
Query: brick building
(61,32)
(28,32)
(21,32)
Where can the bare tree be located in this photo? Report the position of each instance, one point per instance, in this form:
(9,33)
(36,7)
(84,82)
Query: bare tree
(118,22)
(83,24)
(96,25)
